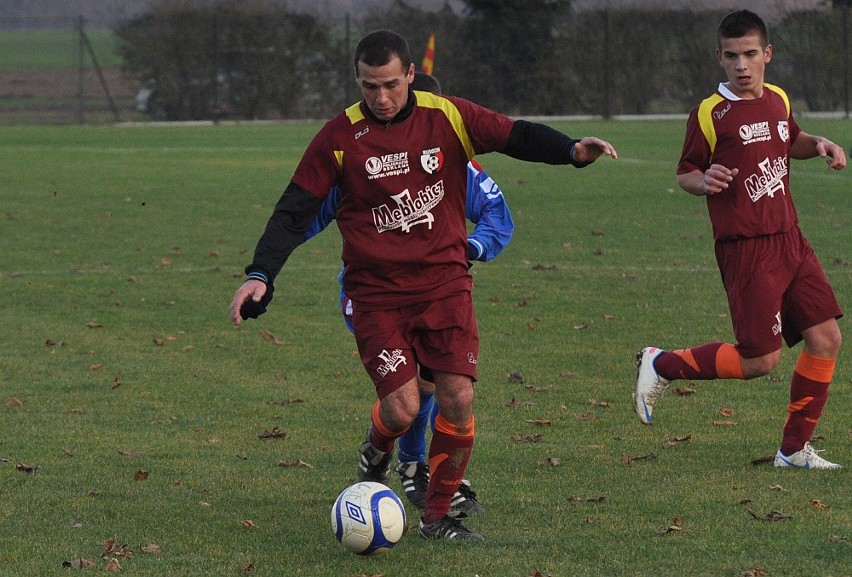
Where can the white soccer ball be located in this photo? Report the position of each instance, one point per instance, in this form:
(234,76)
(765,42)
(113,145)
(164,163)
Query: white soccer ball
(368,518)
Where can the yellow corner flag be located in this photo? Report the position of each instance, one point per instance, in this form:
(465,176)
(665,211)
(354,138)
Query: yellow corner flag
(429,56)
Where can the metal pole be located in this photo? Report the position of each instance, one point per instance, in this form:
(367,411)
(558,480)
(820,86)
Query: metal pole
(81,68)
(845,9)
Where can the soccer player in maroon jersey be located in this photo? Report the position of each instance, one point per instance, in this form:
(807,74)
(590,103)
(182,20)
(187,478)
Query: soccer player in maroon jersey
(737,153)
(400,161)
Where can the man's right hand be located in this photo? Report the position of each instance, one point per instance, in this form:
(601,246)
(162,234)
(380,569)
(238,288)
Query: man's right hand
(253,290)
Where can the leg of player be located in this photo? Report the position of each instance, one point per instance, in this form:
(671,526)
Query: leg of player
(808,395)
(391,416)
(449,453)
(412,469)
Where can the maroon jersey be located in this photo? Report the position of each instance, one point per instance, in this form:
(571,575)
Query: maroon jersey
(403,187)
(753,136)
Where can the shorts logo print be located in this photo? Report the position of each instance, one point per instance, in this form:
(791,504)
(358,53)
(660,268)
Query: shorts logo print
(392,360)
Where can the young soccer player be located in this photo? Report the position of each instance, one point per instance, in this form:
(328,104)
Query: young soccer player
(399,158)
(737,153)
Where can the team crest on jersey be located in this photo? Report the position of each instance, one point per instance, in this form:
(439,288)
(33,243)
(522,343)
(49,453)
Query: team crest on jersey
(432,160)
(784,130)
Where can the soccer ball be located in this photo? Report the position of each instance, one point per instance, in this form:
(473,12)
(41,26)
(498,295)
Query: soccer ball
(368,518)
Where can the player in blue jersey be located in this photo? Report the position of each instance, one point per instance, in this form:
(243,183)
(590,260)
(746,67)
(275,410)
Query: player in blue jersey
(486,207)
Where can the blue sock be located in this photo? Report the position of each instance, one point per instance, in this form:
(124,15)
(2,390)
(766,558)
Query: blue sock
(412,445)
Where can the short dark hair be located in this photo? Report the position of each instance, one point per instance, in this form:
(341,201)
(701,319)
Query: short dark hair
(741,23)
(377,48)
(426,83)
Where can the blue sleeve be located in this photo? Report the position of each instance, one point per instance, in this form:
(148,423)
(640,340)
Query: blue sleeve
(326,214)
(486,207)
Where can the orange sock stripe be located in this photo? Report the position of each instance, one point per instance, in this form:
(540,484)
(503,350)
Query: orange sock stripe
(688,358)
(380,426)
(443,425)
(435,461)
(796,406)
(815,369)
(728,362)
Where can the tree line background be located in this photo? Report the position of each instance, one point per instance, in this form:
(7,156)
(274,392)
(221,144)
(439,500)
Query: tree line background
(259,59)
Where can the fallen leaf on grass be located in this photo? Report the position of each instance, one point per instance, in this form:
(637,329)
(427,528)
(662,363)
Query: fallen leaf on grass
(51,344)
(726,412)
(248,568)
(113,549)
(150,548)
(771,516)
(14,402)
(819,504)
(837,538)
(515,378)
(675,441)
(299,463)
(116,382)
(725,423)
(249,524)
(539,266)
(777,488)
(269,337)
(78,564)
(535,388)
(527,438)
(275,433)
(553,461)
(284,402)
(94,325)
(576,499)
(140,475)
(25,468)
(669,529)
(597,403)
(684,391)
(113,566)
(627,461)
(756,572)
(539,421)
(763,460)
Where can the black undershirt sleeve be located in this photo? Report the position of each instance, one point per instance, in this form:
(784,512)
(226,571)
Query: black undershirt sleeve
(537,142)
(293,214)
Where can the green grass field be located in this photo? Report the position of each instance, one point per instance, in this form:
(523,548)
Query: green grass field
(52,49)
(132,411)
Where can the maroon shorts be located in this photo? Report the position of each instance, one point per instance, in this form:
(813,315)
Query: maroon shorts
(776,288)
(439,334)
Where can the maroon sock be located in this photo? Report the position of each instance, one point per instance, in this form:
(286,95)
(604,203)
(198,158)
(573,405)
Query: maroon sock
(702,363)
(808,395)
(449,453)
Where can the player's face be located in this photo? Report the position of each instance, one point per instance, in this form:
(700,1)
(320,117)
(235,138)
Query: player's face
(385,88)
(744,61)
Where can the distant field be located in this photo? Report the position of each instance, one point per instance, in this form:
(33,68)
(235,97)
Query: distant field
(53,49)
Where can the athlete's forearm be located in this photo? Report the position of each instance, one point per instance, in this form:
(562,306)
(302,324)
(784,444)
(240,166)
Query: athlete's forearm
(536,142)
(285,230)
